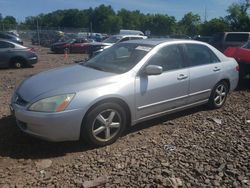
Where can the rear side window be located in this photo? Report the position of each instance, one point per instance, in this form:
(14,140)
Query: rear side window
(124,39)
(6,45)
(135,38)
(237,37)
(200,55)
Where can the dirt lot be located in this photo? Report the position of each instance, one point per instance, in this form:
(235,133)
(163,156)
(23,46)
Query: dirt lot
(195,148)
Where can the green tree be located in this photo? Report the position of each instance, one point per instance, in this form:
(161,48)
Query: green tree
(159,25)
(9,20)
(101,18)
(189,24)
(213,26)
(238,18)
(131,19)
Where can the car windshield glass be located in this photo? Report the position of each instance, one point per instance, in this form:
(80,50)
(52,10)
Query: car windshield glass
(246,45)
(120,58)
(112,39)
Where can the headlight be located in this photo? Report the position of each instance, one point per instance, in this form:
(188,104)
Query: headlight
(52,104)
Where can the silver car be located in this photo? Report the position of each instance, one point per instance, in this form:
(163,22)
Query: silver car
(128,83)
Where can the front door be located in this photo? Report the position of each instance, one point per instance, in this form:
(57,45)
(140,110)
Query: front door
(156,94)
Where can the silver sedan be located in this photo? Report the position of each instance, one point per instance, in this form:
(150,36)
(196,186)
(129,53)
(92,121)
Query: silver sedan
(128,83)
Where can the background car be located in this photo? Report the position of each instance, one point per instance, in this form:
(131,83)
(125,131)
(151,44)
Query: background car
(10,37)
(223,40)
(96,48)
(130,82)
(201,38)
(242,56)
(15,55)
(79,45)
(46,37)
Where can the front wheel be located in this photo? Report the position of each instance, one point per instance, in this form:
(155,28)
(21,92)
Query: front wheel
(218,95)
(104,124)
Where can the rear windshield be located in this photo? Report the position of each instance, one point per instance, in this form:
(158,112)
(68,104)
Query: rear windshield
(237,37)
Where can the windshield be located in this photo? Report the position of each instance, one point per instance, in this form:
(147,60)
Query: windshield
(112,39)
(247,45)
(120,58)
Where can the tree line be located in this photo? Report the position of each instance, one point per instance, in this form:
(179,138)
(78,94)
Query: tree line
(104,19)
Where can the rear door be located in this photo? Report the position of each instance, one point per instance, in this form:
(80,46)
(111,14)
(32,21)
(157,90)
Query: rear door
(205,71)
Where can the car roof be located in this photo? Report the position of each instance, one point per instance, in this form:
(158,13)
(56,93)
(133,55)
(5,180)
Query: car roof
(156,41)
(142,36)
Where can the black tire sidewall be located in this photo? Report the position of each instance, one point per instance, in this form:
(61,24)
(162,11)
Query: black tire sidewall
(86,130)
(15,62)
(212,104)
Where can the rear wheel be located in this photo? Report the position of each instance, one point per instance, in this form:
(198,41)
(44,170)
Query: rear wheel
(219,95)
(104,124)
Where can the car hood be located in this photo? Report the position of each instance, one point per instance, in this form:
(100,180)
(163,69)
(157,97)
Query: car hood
(65,80)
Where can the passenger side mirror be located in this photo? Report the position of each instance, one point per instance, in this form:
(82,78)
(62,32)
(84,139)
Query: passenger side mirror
(153,70)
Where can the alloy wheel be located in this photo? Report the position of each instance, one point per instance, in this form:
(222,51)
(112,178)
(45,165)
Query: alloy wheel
(220,94)
(106,125)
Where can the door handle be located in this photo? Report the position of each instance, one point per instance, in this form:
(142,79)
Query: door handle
(182,77)
(216,69)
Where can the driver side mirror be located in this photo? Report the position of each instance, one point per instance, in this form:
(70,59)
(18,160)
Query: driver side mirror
(153,70)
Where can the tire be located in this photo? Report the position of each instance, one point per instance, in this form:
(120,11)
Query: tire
(104,124)
(17,63)
(219,95)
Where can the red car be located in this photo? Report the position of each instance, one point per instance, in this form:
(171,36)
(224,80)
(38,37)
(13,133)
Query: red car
(72,46)
(242,56)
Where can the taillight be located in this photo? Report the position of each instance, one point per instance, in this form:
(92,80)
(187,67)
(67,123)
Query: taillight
(237,68)
(32,49)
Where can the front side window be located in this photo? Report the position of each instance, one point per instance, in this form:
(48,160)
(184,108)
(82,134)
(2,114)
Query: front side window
(124,39)
(169,58)
(119,58)
(200,55)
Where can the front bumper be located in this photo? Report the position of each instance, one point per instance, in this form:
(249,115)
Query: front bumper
(33,60)
(62,126)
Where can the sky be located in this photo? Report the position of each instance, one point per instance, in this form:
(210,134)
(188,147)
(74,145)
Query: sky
(177,8)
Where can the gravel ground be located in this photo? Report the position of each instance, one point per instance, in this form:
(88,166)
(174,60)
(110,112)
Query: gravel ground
(194,148)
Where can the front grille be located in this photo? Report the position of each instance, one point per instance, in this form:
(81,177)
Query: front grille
(20,101)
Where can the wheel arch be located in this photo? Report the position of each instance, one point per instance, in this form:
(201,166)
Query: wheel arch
(116,100)
(227,81)
(13,59)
